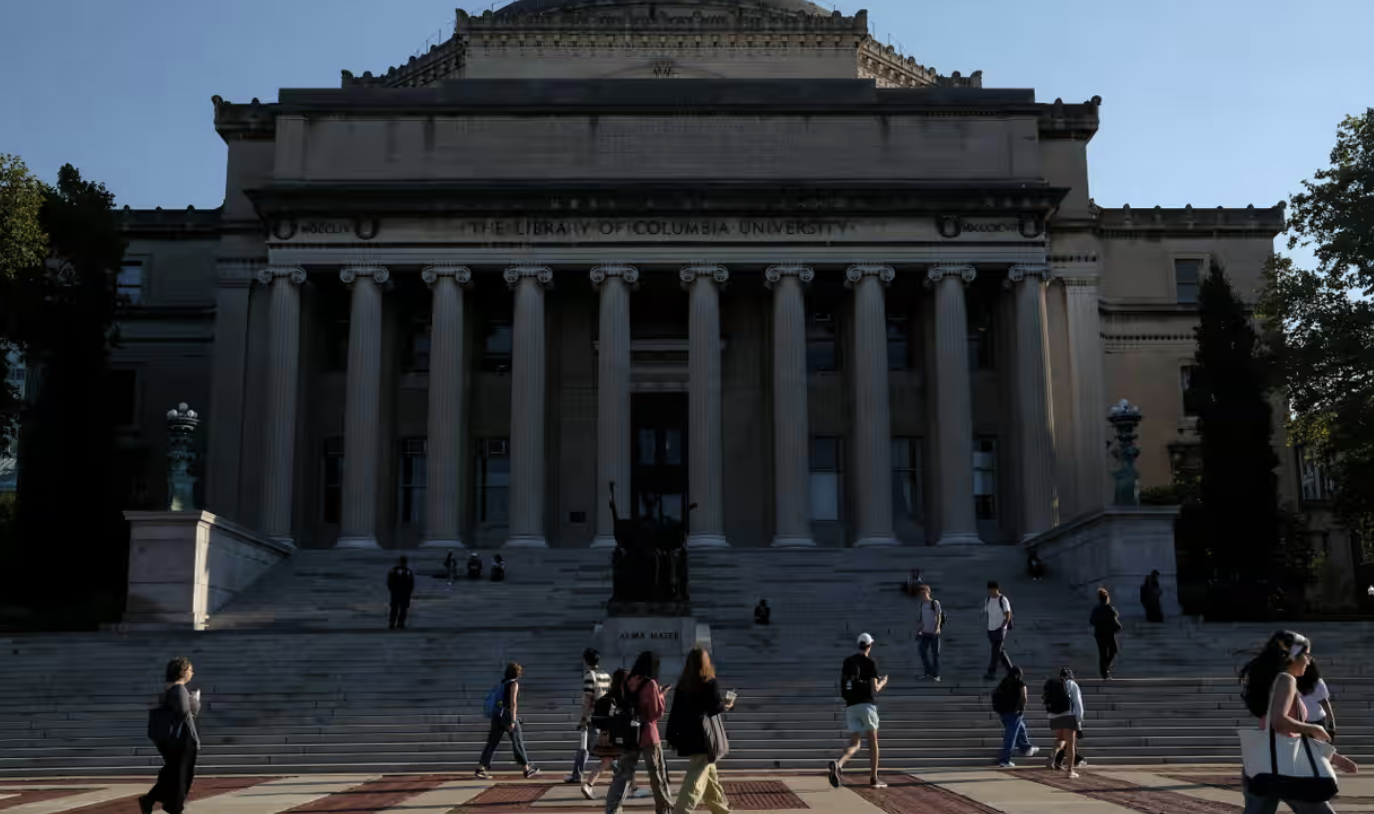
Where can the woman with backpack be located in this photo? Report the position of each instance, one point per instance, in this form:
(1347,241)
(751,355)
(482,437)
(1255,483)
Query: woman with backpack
(606,750)
(503,706)
(645,698)
(698,699)
(1106,625)
(1064,703)
(178,754)
(1269,685)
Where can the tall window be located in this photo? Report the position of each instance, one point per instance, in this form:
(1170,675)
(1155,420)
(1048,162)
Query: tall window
(825,478)
(898,342)
(906,479)
(1316,478)
(822,349)
(417,346)
(985,478)
(129,282)
(332,463)
(1190,394)
(493,481)
(496,347)
(1187,278)
(411,497)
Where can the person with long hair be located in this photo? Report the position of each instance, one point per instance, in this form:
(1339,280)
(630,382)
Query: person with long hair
(1106,625)
(698,697)
(605,749)
(1064,703)
(1269,687)
(506,721)
(178,757)
(1316,699)
(643,692)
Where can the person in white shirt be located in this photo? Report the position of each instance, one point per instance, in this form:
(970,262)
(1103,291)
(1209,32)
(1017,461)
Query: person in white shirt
(595,684)
(1316,699)
(929,620)
(997,608)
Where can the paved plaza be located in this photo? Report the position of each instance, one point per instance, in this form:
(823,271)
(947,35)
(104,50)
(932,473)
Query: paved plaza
(1154,790)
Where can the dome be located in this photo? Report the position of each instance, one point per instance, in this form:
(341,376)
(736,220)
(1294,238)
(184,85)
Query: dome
(520,7)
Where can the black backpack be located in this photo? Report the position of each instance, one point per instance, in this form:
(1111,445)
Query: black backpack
(852,688)
(1006,697)
(1056,697)
(621,720)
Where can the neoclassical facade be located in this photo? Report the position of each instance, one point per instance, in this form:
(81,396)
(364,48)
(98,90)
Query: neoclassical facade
(775,282)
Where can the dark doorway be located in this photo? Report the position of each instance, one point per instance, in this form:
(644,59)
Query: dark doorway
(659,468)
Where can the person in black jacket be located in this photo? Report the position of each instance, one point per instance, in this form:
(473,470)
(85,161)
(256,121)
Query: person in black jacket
(400,582)
(179,756)
(1106,624)
(698,698)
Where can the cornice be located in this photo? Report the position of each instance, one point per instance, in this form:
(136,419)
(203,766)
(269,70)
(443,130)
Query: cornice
(254,121)
(171,223)
(1189,222)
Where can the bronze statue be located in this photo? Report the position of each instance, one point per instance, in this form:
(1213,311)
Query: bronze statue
(649,563)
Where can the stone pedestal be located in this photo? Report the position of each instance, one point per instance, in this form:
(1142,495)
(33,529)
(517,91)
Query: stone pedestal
(622,638)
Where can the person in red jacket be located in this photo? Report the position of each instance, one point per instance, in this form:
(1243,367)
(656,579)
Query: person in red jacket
(642,690)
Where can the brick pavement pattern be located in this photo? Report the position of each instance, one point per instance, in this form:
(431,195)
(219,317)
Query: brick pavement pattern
(906,794)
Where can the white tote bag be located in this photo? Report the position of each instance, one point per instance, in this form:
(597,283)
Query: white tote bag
(1285,767)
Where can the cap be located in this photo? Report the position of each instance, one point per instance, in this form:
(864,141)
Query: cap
(865,640)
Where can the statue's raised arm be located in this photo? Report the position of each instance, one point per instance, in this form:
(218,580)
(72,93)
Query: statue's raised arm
(615,518)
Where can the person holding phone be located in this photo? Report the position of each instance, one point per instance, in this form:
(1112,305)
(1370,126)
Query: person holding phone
(859,684)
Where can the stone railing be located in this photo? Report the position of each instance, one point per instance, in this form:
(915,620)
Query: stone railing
(184,566)
(1115,548)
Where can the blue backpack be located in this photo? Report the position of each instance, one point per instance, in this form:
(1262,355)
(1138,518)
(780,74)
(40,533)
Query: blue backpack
(494,705)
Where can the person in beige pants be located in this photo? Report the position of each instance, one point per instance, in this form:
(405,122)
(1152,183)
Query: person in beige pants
(698,698)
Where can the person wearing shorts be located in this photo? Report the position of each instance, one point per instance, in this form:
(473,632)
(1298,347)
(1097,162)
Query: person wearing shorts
(859,684)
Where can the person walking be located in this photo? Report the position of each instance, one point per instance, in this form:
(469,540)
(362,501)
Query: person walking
(1064,703)
(605,749)
(178,755)
(997,609)
(698,698)
(400,583)
(1152,597)
(859,685)
(595,684)
(451,567)
(505,720)
(930,620)
(1009,702)
(1316,699)
(1269,685)
(1106,625)
(643,693)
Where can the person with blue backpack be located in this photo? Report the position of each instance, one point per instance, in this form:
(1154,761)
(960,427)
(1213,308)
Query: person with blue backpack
(502,707)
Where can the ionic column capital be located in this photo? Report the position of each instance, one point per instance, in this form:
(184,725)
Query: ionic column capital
(775,274)
(462,275)
(855,274)
(293,273)
(543,275)
(350,274)
(690,274)
(1021,272)
(963,271)
(599,275)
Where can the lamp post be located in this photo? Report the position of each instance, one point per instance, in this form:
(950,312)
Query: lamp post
(1125,418)
(181,424)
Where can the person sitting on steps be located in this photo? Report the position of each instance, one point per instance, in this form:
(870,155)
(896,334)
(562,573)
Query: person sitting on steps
(474,566)
(498,569)
(763,614)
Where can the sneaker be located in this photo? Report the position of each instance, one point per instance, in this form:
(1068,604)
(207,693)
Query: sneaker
(834,772)
(935,678)
(876,784)
(1006,765)
(145,804)
(531,772)
(481,774)
(1031,752)
(640,794)
(587,791)
(1073,775)
(573,779)
(1080,762)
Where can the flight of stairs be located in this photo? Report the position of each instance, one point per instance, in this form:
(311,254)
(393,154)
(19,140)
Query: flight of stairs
(300,674)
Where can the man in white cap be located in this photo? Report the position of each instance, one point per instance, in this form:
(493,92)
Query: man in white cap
(859,683)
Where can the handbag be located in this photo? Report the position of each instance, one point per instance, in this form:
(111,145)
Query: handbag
(717,744)
(165,726)
(1288,768)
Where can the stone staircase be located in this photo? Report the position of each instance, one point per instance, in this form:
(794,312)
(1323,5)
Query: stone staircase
(300,674)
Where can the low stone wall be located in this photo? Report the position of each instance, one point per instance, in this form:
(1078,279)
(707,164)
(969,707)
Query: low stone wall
(184,566)
(1115,548)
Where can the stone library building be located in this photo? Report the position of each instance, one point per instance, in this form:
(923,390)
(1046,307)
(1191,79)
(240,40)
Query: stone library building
(777,282)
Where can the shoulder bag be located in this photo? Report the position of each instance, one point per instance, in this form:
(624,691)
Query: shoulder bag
(1291,769)
(717,744)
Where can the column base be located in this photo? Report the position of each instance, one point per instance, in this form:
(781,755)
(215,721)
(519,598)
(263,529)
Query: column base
(707,541)
(526,541)
(793,542)
(960,538)
(877,542)
(454,543)
(604,541)
(357,542)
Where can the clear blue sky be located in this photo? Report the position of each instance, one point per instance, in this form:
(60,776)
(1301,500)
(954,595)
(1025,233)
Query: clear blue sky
(1208,102)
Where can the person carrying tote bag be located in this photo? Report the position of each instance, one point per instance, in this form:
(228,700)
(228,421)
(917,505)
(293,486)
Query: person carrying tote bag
(697,732)
(172,728)
(1287,760)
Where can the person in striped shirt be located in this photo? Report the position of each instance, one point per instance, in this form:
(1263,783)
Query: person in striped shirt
(595,683)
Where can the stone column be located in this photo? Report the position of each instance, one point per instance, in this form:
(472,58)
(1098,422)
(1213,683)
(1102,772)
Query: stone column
(706,523)
(1035,417)
(613,397)
(872,417)
(953,407)
(362,407)
(447,422)
(791,428)
(1089,399)
(527,407)
(283,381)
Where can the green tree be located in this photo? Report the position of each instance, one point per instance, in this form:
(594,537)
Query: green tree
(1238,512)
(1322,321)
(23,246)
